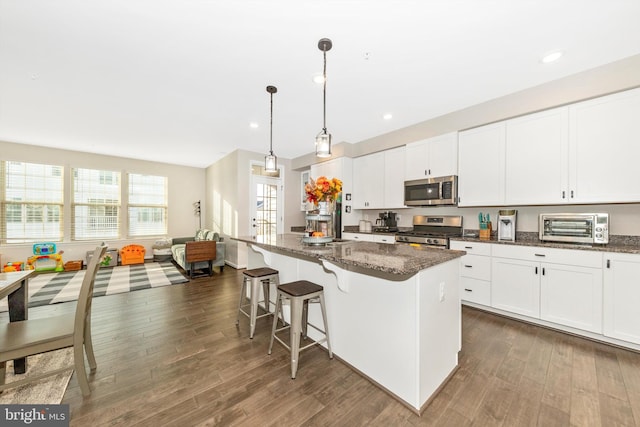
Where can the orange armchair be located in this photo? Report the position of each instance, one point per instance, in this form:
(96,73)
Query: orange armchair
(132,254)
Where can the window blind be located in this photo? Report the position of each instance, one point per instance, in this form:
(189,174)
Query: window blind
(95,210)
(31,203)
(147,207)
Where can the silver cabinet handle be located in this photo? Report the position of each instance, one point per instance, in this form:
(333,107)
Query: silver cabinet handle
(542,255)
(468,266)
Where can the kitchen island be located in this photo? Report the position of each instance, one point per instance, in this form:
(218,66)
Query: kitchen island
(393,310)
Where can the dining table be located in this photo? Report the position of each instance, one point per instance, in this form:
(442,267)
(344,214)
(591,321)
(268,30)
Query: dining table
(15,286)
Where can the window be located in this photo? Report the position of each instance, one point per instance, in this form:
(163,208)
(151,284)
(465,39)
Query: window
(95,211)
(31,203)
(147,205)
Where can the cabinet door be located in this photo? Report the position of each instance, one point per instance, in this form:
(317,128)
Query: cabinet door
(368,181)
(621,313)
(571,296)
(330,169)
(415,163)
(515,286)
(481,165)
(442,155)
(433,157)
(537,150)
(394,178)
(604,149)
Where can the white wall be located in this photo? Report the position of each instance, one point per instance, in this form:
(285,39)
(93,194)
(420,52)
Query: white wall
(227,187)
(186,185)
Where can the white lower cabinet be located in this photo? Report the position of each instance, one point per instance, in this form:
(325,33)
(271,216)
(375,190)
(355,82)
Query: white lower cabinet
(475,272)
(571,296)
(363,237)
(621,308)
(515,286)
(385,238)
(562,286)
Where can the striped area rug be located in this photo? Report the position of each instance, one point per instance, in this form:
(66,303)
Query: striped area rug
(52,288)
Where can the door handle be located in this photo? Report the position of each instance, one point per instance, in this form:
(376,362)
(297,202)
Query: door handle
(536,270)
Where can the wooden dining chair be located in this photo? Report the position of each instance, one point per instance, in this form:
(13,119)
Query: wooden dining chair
(34,336)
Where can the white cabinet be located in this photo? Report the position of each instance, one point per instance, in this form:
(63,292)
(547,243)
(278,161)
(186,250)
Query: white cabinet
(582,153)
(515,286)
(433,157)
(475,271)
(341,168)
(378,182)
(481,165)
(394,178)
(572,296)
(330,169)
(604,149)
(536,159)
(363,237)
(385,238)
(621,312)
(368,181)
(557,285)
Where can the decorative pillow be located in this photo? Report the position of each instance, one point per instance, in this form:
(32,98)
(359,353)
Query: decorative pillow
(201,234)
(163,243)
(211,235)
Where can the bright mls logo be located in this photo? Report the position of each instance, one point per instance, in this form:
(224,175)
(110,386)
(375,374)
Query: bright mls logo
(34,415)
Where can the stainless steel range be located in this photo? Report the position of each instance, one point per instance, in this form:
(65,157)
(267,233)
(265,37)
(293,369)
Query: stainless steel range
(432,231)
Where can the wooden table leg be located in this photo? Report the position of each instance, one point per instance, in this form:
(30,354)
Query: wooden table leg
(18,301)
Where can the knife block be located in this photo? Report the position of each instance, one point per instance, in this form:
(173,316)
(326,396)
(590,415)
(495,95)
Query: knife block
(485,233)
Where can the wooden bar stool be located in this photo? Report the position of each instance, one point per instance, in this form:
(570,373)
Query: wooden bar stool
(299,294)
(256,276)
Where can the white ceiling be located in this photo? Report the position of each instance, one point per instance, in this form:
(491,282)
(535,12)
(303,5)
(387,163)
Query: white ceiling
(179,81)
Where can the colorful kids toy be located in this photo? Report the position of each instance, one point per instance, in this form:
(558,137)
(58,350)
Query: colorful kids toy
(45,258)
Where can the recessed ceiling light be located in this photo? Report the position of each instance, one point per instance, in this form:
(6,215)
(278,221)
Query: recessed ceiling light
(387,116)
(551,57)
(253,125)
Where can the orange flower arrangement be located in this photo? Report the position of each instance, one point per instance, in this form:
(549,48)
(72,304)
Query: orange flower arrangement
(322,189)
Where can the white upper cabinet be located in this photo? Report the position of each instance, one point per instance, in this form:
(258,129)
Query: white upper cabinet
(331,169)
(582,153)
(378,180)
(394,178)
(537,149)
(368,181)
(604,148)
(433,157)
(481,165)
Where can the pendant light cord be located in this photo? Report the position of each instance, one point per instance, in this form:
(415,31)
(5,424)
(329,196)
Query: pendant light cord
(271,128)
(324,92)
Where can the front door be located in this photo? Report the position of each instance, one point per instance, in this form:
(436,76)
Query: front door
(266,203)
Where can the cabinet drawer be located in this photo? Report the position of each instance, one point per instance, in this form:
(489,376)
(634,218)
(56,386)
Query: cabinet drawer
(474,248)
(474,290)
(475,266)
(384,238)
(582,258)
(358,236)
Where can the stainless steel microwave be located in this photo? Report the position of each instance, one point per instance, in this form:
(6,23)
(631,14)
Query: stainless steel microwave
(431,191)
(574,228)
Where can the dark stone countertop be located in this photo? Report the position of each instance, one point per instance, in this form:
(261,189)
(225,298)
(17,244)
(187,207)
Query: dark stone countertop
(404,260)
(619,244)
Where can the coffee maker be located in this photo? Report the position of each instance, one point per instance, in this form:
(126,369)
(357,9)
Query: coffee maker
(507,225)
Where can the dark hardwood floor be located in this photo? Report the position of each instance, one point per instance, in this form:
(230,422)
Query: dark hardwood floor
(172,356)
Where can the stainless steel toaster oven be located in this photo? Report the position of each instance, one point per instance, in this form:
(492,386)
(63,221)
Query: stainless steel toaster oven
(590,228)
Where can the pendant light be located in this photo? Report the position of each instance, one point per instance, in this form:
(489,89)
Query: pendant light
(270,160)
(323,139)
